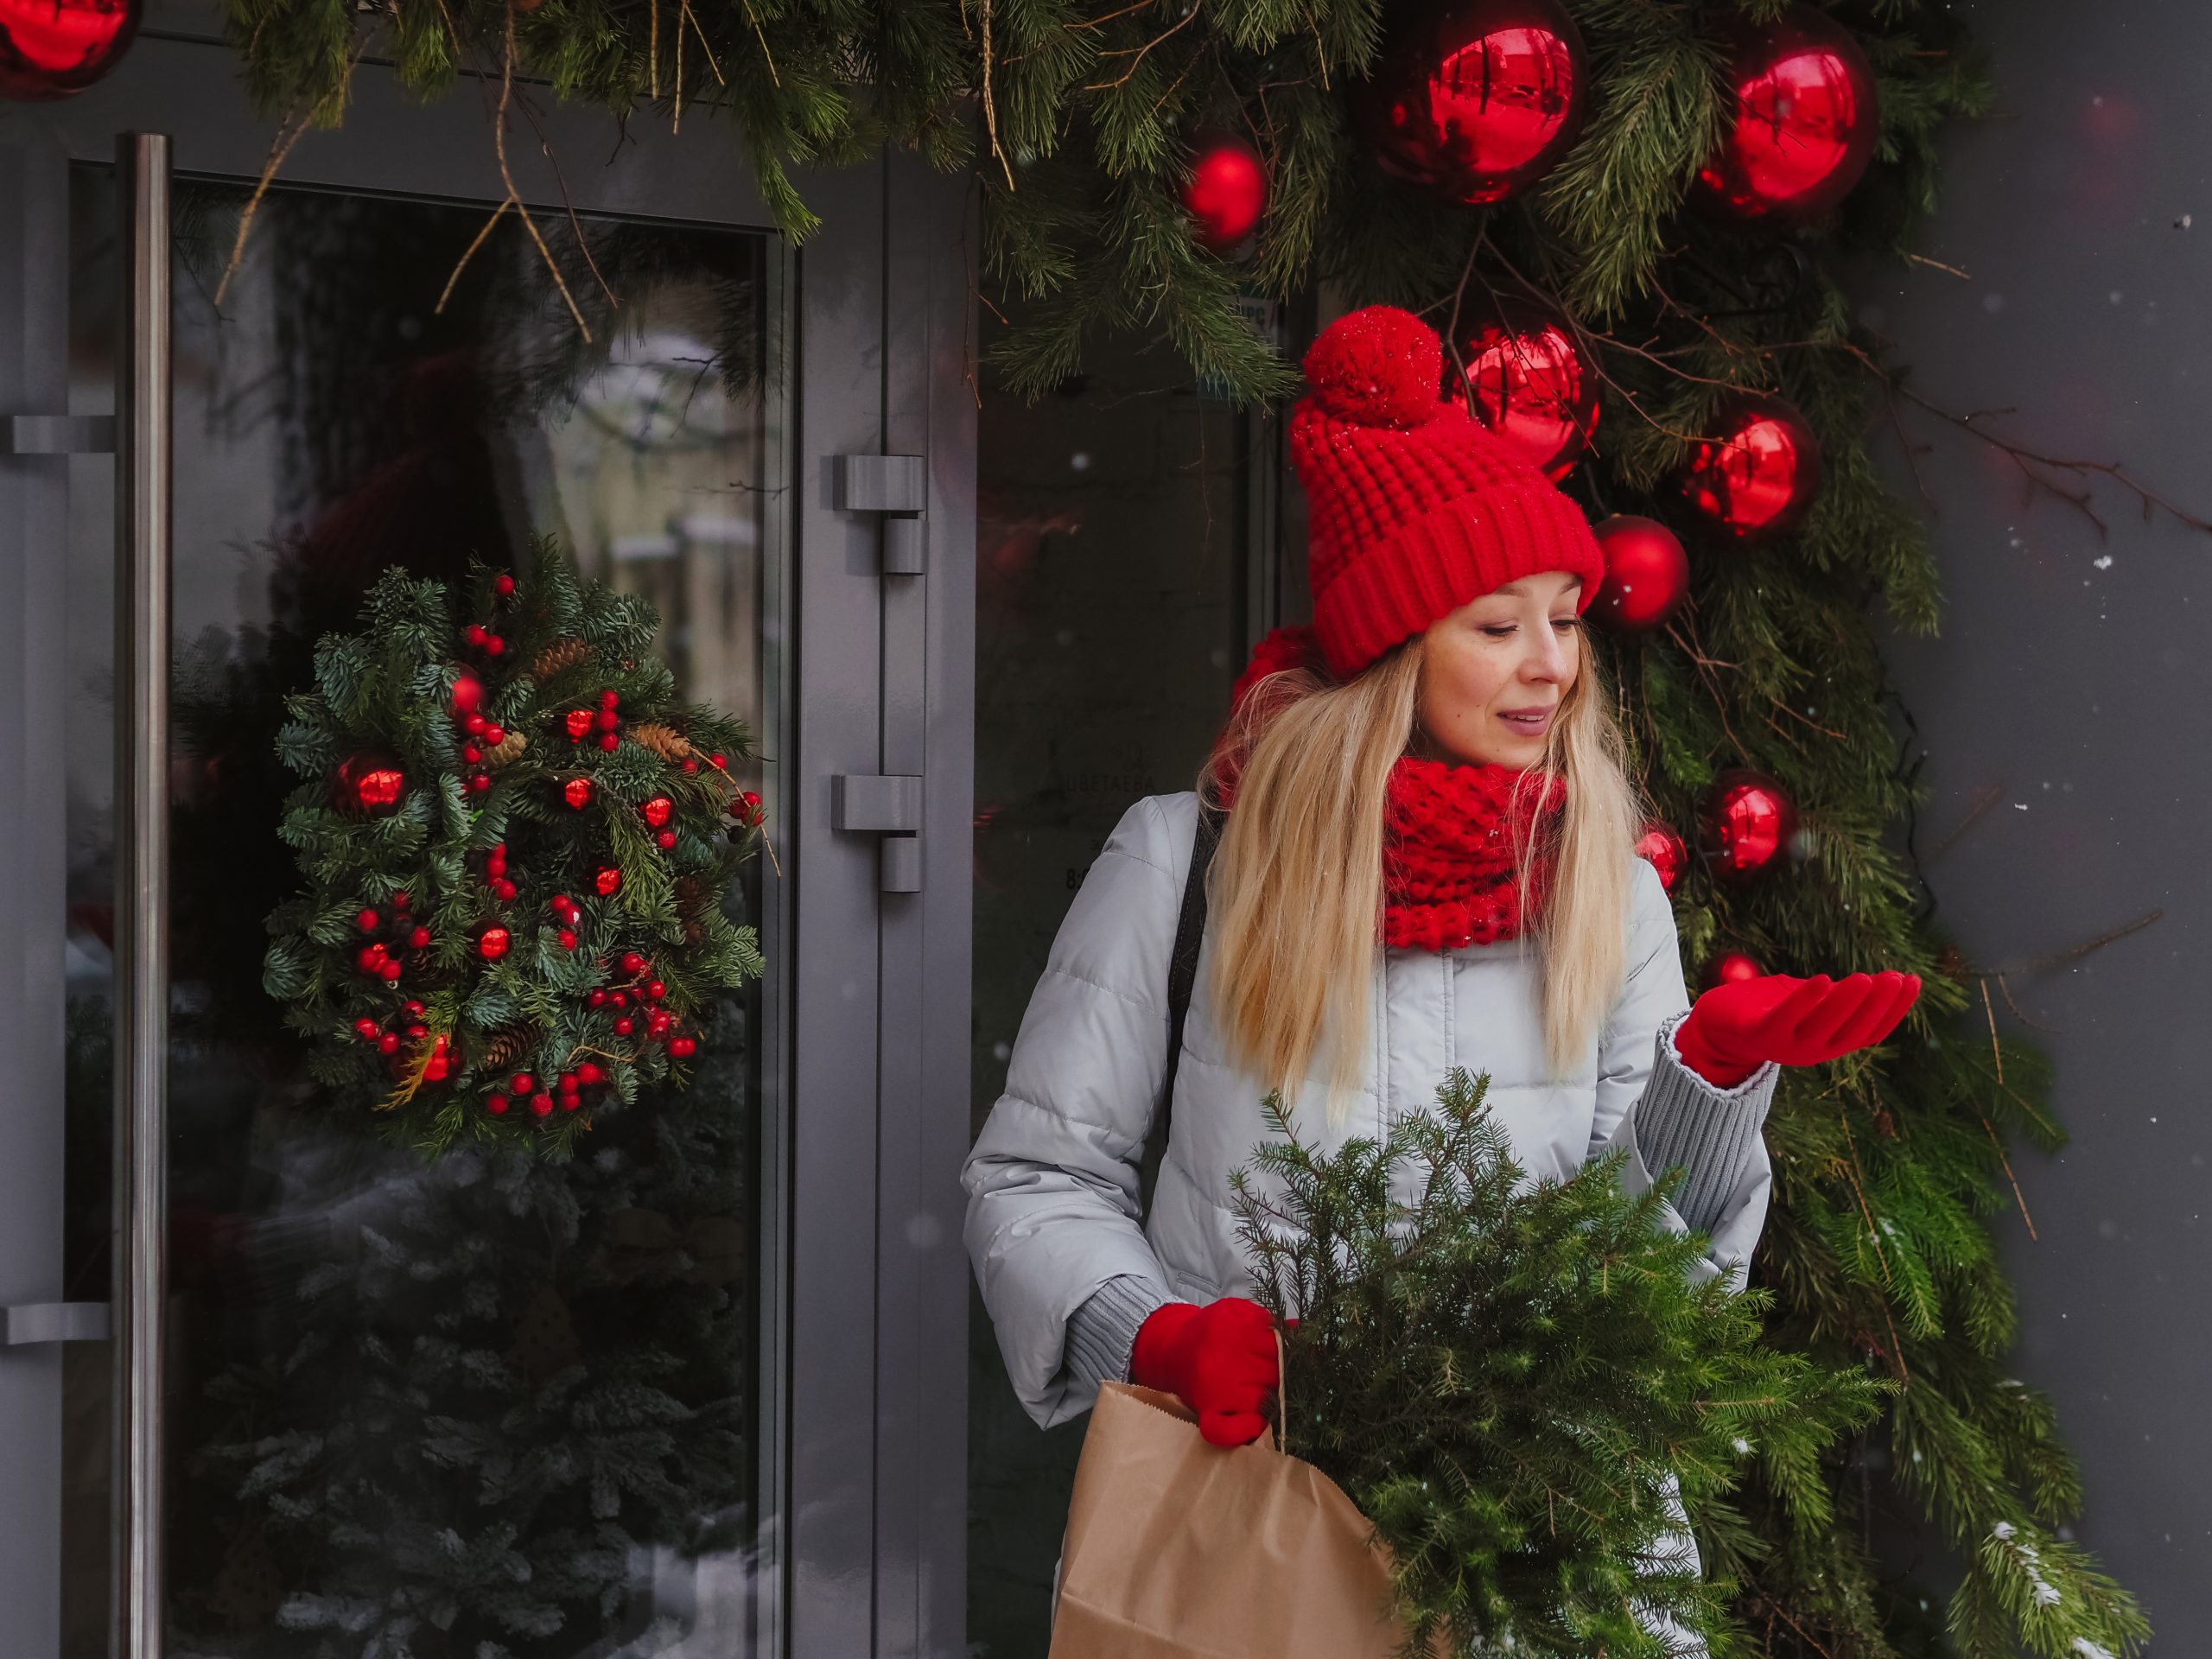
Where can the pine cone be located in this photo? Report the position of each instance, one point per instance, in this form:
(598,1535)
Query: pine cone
(562,653)
(505,1048)
(509,751)
(664,741)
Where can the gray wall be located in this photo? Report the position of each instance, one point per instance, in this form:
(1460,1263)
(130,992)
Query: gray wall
(2081,691)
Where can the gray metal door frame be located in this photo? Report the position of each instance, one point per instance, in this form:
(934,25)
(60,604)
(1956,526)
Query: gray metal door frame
(864,1280)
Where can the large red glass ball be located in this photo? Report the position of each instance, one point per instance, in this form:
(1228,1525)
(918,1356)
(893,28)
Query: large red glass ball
(50,49)
(369,784)
(1529,383)
(1661,847)
(1226,193)
(1732,968)
(1804,125)
(1475,99)
(492,944)
(1647,573)
(1748,821)
(1757,471)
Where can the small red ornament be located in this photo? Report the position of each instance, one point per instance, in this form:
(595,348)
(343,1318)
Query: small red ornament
(480,783)
(467,695)
(633,964)
(665,840)
(1731,968)
(413,1010)
(369,784)
(1757,470)
(655,990)
(568,1084)
(471,753)
(391,970)
(1748,820)
(624,1026)
(720,762)
(50,49)
(608,882)
(370,959)
(1227,191)
(474,724)
(609,741)
(682,1048)
(589,1074)
(608,699)
(542,1105)
(657,1023)
(494,735)
(365,1029)
(416,1033)
(597,998)
(434,1069)
(494,646)
(579,721)
(577,792)
(1647,573)
(400,901)
(419,939)
(496,1104)
(1661,847)
(690,763)
(503,586)
(492,944)
(389,1043)
(1805,122)
(567,936)
(504,891)
(1530,385)
(620,999)
(1475,100)
(476,634)
(608,720)
(571,1103)
(367,921)
(658,811)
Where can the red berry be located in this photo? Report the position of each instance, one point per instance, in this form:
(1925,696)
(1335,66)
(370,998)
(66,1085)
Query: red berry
(480,783)
(370,958)
(419,939)
(415,1010)
(366,1028)
(569,1082)
(503,586)
(419,1033)
(690,764)
(665,840)
(367,921)
(597,998)
(609,741)
(681,1048)
(622,999)
(504,890)
(494,735)
(721,762)
(656,990)
(492,944)
(608,700)
(623,1027)
(577,792)
(390,971)
(557,903)
(476,633)
(542,1104)
(579,723)
(588,1073)
(400,901)
(657,1023)
(522,1082)
(467,694)
(434,1070)
(607,881)
(389,1043)
(633,964)
(568,939)
(474,725)
(571,1102)
(494,646)
(608,719)
(496,1104)
(471,753)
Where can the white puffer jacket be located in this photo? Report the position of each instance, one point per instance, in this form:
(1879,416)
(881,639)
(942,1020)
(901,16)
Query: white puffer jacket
(1052,1181)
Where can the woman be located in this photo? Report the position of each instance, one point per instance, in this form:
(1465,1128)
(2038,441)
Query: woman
(1427,862)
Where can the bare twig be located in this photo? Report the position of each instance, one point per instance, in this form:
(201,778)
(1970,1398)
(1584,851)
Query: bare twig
(568,203)
(467,254)
(1984,797)
(507,177)
(2019,1196)
(2075,953)
(288,132)
(691,17)
(1922,259)
(1141,53)
(990,104)
(1996,1054)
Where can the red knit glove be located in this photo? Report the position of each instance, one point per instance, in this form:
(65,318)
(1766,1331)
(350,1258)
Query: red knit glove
(1736,1028)
(1219,1359)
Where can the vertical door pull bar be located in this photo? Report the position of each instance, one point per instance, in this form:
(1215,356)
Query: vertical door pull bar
(141,724)
(897,487)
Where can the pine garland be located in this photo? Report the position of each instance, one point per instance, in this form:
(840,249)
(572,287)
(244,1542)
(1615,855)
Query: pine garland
(1888,1166)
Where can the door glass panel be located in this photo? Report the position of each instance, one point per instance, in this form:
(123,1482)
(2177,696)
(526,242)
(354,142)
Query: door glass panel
(484,1405)
(1120,527)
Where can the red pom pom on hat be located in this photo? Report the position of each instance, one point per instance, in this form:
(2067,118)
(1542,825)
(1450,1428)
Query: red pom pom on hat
(1380,366)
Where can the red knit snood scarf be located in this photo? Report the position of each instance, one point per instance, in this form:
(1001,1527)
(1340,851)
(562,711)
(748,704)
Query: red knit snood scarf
(1452,834)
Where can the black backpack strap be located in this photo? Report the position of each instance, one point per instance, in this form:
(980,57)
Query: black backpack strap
(1182,976)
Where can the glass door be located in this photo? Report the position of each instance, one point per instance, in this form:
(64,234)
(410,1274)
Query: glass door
(487,1403)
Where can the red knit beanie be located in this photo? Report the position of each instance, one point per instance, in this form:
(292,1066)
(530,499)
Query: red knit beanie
(1416,508)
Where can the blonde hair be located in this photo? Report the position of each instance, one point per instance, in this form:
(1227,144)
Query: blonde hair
(1296,888)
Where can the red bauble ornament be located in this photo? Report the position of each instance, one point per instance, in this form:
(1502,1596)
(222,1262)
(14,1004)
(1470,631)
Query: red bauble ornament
(579,722)
(492,944)
(1804,125)
(50,49)
(1755,473)
(1647,574)
(1475,99)
(1661,847)
(658,811)
(369,785)
(1529,383)
(608,882)
(665,840)
(1227,191)
(1731,968)
(467,695)
(1747,822)
(577,792)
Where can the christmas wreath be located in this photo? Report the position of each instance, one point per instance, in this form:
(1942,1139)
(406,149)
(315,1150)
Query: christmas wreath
(517,845)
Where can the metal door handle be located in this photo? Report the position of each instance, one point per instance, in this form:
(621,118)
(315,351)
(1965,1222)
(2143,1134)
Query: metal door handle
(888,806)
(57,435)
(142,908)
(33,1322)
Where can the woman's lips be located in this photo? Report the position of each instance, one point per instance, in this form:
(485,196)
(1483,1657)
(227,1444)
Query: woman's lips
(1529,722)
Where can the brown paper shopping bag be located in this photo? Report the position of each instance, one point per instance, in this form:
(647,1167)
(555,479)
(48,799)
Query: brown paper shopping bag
(1177,1549)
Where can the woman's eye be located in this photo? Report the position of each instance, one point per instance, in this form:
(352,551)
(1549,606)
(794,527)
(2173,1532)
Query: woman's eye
(1499,630)
(1567,623)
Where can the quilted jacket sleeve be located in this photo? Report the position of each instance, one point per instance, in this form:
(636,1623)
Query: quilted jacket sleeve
(1051,1182)
(1666,1114)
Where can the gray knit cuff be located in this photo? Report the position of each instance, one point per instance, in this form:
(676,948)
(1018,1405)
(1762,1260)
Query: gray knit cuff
(1709,1131)
(1103,1330)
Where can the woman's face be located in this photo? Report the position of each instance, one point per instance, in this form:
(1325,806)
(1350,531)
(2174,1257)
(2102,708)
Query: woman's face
(1495,671)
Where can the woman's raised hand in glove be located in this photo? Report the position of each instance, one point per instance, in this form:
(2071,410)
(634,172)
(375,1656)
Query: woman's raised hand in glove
(1734,1029)
(1219,1360)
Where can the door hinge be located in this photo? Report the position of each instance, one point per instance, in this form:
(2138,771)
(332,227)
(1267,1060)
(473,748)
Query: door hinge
(32,1322)
(898,488)
(887,806)
(57,435)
